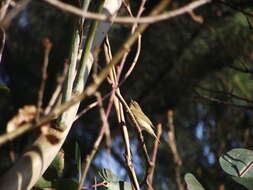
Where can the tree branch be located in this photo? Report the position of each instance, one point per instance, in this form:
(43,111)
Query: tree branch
(128,20)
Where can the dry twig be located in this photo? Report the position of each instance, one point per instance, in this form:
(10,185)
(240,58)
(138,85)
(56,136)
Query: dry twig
(47,48)
(91,89)
(150,173)
(128,155)
(173,146)
(2,42)
(56,94)
(129,20)
(218,101)
(121,120)
(90,156)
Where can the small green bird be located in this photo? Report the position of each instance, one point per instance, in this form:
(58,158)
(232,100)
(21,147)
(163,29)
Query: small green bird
(143,121)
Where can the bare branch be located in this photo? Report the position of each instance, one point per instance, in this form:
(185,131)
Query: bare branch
(90,156)
(47,48)
(128,155)
(215,100)
(150,173)
(228,94)
(235,7)
(121,120)
(2,42)
(173,146)
(128,20)
(244,70)
(56,94)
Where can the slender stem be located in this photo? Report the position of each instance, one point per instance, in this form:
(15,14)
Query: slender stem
(68,86)
(87,49)
(47,48)
(129,20)
(173,146)
(89,157)
(128,155)
(150,173)
(2,42)
(56,94)
(91,89)
(131,116)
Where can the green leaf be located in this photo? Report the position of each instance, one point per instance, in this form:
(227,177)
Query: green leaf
(43,183)
(108,176)
(192,182)
(55,169)
(238,162)
(246,182)
(113,182)
(121,185)
(4,89)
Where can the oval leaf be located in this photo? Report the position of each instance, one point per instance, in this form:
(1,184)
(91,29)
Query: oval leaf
(238,162)
(108,176)
(246,182)
(121,185)
(192,182)
(55,169)
(43,183)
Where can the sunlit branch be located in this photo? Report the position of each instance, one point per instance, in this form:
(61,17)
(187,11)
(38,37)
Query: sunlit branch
(130,20)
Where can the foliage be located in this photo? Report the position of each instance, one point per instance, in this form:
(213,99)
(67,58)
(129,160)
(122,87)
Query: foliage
(112,181)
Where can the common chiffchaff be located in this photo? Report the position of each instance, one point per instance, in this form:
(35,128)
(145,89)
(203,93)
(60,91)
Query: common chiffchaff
(143,121)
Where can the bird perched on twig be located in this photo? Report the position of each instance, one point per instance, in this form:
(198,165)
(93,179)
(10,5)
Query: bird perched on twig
(143,121)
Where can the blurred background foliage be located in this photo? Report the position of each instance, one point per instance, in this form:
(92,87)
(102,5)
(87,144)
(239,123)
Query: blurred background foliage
(202,71)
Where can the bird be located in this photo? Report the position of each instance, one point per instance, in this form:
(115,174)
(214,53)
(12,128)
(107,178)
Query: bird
(143,121)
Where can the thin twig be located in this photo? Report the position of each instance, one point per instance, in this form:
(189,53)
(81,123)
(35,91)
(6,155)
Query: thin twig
(215,100)
(128,20)
(2,42)
(107,45)
(108,56)
(128,73)
(91,89)
(104,115)
(173,146)
(95,185)
(244,70)
(114,81)
(87,108)
(128,155)
(228,94)
(151,169)
(47,48)
(235,7)
(120,116)
(90,156)
(121,99)
(56,94)
(140,11)
(121,119)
